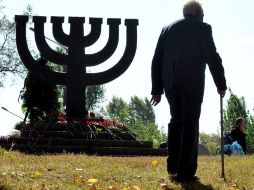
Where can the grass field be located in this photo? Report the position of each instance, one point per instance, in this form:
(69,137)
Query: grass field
(69,171)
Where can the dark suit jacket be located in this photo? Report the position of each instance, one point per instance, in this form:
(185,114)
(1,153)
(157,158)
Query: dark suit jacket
(180,58)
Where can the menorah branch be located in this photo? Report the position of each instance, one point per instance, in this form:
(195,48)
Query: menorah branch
(26,57)
(45,50)
(76,78)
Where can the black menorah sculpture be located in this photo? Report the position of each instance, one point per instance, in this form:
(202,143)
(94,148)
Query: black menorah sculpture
(76,78)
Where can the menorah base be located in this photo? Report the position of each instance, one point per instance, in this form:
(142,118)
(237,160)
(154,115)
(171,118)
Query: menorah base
(92,137)
(90,147)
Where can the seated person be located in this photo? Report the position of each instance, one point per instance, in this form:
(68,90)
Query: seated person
(238,133)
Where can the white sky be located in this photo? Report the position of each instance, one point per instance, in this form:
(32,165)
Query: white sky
(233,32)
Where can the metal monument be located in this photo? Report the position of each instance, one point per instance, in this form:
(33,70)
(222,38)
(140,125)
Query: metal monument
(76,61)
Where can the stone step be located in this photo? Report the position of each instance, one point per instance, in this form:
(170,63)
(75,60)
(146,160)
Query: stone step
(81,142)
(71,127)
(131,151)
(100,150)
(109,151)
(78,134)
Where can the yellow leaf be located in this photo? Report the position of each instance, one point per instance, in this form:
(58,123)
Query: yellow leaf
(135,187)
(92,180)
(36,174)
(154,163)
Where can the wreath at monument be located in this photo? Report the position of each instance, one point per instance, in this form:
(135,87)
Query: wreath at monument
(40,98)
(93,126)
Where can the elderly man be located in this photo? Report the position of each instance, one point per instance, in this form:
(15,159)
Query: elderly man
(178,69)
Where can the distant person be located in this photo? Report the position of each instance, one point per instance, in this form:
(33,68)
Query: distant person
(238,133)
(178,69)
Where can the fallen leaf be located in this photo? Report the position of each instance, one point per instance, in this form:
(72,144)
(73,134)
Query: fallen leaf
(135,187)
(92,180)
(36,174)
(154,163)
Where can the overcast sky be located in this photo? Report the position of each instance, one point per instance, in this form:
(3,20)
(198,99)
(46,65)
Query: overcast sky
(233,32)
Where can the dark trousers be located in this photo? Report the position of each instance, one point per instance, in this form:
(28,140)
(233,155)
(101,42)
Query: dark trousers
(183,132)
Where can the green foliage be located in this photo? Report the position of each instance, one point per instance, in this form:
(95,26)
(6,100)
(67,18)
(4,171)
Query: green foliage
(250,130)
(95,95)
(211,141)
(141,109)
(139,115)
(29,12)
(9,59)
(206,138)
(212,147)
(118,109)
(57,67)
(147,132)
(10,63)
(236,107)
(40,98)
(61,89)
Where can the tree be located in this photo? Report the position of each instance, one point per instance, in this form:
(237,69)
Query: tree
(209,138)
(141,109)
(94,96)
(118,109)
(10,62)
(211,141)
(40,98)
(250,130)
(138,114)
(236,107)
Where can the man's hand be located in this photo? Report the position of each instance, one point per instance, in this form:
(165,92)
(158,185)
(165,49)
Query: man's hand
(155,99)
(222,92)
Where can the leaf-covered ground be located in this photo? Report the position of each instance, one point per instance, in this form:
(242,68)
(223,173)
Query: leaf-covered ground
(70,171)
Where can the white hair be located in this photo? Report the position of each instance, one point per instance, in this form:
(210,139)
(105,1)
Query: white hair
(193,8)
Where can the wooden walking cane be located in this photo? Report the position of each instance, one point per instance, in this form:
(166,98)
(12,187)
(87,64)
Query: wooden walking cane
(222,139)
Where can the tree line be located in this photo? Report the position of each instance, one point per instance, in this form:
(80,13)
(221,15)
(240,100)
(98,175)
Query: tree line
(138,114)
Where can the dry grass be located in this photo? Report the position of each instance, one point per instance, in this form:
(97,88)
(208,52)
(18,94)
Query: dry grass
(69,171)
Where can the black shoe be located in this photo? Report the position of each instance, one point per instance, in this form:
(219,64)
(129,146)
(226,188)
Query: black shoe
(187,179)
(172,172)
